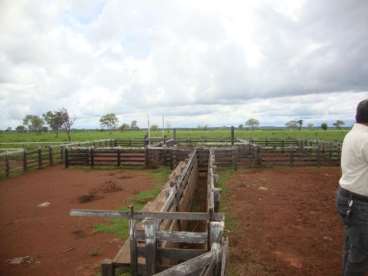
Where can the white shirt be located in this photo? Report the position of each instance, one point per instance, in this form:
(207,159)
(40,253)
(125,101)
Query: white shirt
(354,160)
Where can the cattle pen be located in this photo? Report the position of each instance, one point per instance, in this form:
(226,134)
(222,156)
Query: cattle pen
(181,231)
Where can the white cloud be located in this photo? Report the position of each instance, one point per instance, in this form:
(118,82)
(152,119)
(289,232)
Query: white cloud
(208,62)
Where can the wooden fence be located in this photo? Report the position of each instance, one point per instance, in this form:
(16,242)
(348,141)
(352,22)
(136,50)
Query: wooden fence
(16,161)
(162,240)
(169,152)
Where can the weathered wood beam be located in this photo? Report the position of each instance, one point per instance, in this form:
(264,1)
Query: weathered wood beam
(200,216)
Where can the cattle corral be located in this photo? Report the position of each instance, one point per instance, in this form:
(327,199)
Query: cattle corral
(182,229)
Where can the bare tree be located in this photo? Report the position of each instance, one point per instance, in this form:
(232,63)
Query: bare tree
(109,121)
(33,122)
(338,124)
(67,122)
(252,123)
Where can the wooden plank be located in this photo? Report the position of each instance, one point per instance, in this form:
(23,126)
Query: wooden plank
(199,216)
(188,267)
(150,246)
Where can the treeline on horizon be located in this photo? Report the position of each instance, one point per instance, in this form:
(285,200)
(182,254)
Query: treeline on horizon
(60,120)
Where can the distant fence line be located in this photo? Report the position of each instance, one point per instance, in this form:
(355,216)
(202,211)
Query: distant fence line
(140,152)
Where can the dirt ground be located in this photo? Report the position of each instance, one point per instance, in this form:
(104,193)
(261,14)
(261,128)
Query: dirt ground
(284,222)
(56,243)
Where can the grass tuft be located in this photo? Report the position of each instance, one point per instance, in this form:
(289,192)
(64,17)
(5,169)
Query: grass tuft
(119,226)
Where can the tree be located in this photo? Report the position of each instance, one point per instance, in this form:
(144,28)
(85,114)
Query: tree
(252,123)
(292,124)
(109,121)
(54,120)
(8,129)
(124,127)
(154,127)
(338,124)
(324,126)
(310,126)
(241,126)
(20,128)
(33,122)
(134,125)
(67,122)
(300,124)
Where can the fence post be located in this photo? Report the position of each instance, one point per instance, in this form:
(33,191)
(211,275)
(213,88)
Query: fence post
(318,156)
(146,157)
(291,157)
(234,153)
(132,242)
(51,161)
(66,157)
(7,165)
(173,159)
(24,160)
(118,157)
(150,247)
(92,157)
(62,149)
(258,155)
(107,268)
(39,154)
(232,135)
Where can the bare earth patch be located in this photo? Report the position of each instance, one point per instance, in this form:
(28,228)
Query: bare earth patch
(286,223)
(47,241)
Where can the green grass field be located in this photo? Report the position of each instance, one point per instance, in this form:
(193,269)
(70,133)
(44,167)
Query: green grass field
(79,135)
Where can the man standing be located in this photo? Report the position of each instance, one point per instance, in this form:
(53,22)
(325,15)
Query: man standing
(352,194)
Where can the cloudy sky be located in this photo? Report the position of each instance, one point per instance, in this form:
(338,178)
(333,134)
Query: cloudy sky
(202,62)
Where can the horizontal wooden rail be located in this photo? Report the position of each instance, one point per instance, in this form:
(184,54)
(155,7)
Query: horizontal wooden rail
(197,216)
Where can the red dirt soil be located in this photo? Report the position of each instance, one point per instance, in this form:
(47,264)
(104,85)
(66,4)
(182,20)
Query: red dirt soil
(286,222)
(58,243)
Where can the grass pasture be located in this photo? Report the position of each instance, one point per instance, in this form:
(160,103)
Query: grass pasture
(87,135)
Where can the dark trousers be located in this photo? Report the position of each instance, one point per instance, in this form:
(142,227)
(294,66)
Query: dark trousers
(355,258)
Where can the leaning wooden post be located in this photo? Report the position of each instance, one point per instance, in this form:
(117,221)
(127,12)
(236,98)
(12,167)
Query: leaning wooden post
(39,154)
(150,247)
(24,160)
(232,135)
(51,161)
(7,165)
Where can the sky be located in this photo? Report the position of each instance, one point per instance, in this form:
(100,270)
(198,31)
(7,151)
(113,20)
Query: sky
(208,62)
